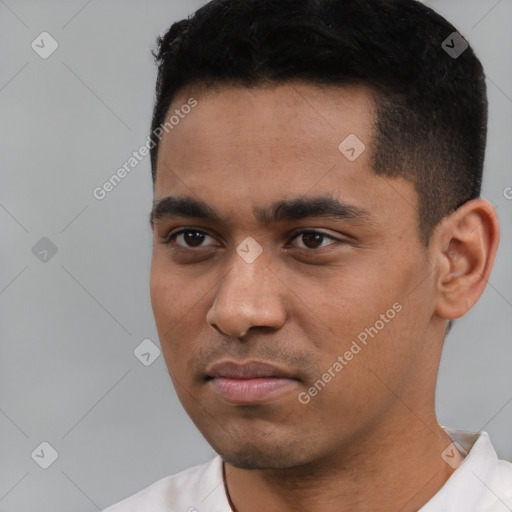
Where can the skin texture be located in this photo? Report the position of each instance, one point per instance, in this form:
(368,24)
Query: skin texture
(369,440)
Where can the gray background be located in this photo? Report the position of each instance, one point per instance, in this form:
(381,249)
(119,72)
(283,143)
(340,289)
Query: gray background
(69,326)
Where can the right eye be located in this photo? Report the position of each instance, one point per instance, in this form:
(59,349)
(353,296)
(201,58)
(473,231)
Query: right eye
(187,238)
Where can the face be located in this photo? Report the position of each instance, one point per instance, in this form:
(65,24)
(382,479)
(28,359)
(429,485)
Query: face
(289,285)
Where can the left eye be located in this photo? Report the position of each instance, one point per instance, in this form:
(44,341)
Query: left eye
(313,239)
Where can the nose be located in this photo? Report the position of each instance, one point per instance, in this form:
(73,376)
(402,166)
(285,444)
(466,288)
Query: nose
(250,295)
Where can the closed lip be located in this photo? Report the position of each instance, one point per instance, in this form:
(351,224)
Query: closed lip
(247,370)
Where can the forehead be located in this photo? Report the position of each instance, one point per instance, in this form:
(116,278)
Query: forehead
(295,110)
(295,125)
(255,146)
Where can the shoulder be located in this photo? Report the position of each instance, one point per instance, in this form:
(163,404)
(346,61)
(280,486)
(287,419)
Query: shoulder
(184,491)
(503,477)
(481,482)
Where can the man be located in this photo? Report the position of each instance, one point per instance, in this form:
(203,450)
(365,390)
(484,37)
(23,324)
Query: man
(317,225)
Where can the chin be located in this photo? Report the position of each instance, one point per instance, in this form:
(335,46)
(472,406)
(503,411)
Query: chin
(277,455)
(258,460)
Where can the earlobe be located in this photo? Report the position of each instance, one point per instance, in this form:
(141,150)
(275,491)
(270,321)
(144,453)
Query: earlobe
(467,244)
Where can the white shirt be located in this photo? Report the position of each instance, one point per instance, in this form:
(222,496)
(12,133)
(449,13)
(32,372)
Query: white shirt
(482,483)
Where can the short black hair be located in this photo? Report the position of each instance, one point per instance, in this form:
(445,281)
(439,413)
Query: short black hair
(431,106)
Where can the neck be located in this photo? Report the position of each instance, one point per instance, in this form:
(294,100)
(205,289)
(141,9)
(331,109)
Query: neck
(398,468)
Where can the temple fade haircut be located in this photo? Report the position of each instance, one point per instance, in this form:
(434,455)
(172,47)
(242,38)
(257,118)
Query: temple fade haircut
(430,108)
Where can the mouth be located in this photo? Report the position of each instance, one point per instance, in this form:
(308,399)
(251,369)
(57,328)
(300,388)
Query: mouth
(251,382)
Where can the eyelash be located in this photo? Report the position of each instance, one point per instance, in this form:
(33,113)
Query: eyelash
(169,239)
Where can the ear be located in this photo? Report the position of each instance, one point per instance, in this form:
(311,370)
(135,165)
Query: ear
(465,245)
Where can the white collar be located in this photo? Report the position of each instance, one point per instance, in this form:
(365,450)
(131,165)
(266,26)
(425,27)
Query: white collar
(481,483)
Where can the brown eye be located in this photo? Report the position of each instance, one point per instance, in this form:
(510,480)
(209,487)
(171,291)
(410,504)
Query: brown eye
(313,239)
(188,238)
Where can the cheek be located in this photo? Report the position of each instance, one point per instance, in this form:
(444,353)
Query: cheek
(164,299)
(168,303)
(178,304)
(353,393)
(367,318)
(175,296)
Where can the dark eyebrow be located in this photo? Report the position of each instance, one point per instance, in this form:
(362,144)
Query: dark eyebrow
(294,209)
(305,207)
(182,207)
